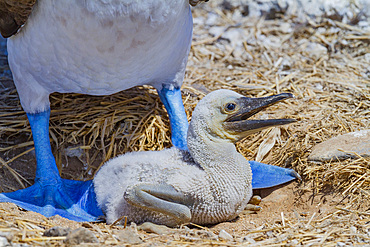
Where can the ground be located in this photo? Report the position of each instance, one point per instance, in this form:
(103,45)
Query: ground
(277,203)
(323,60)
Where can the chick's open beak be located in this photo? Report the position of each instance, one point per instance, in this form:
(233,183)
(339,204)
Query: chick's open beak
(238,121)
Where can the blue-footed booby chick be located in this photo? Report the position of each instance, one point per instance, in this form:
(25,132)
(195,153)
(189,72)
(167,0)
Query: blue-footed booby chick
(208,183)
(97,47)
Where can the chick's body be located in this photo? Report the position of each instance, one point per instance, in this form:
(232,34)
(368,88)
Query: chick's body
(213,199)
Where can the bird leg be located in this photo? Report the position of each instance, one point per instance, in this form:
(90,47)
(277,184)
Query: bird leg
(50,194)
(171,98)
(160,198)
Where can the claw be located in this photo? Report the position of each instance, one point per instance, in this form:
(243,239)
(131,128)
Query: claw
(252,206)
(255,200)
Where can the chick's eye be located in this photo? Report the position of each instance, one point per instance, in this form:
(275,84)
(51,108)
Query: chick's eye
(230,106)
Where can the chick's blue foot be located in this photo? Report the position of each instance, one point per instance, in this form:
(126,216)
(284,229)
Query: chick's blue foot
(171,98)
(51,195)
(266,176)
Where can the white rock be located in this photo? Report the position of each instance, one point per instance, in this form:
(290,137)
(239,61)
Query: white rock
(235,36)
(286,27)
(128,235)
(154,228)
(249,239)
(318,86)
(74,152)
(224,235)
(315,50)
(367,57)
(212,19)
(216,30)
(353,142)
(81,235)
(57,231)
(4,242)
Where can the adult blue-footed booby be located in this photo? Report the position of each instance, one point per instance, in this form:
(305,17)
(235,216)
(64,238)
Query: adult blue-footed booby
(208,184)
(92,47)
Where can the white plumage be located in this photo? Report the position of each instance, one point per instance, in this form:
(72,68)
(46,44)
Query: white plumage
(95,47)
(214,177)
(99,47)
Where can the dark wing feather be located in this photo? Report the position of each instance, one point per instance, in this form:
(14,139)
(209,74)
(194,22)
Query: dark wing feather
(13,14)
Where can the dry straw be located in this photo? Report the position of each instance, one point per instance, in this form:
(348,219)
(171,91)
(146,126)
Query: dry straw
(323,62)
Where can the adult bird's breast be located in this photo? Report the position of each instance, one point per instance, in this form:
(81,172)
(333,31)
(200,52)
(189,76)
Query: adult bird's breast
(101,47)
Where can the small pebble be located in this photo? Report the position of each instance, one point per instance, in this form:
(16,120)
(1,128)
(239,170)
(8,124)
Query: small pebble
(315,50)
(285,27)
(154,228)
(128,235)
(248,239)
(269,234)
(285,64)
(57,231)
(81,235)
(225,236)
(294,242)
(8,235)
(74,152)
(353,230)
(4,242)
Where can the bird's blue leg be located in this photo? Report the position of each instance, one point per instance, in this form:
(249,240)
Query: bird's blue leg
(171,98)
(266,176)
(51,195)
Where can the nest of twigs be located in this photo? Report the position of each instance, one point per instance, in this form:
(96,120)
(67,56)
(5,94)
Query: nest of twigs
(322,61)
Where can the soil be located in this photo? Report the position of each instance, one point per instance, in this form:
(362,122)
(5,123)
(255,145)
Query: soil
(323,61)
(280,205)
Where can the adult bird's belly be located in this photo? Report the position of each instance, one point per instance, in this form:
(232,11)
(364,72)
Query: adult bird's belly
(102,47)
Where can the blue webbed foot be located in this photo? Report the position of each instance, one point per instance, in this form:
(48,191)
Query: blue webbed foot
(74,200)
(171,98)
(52,195)
(266,176)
